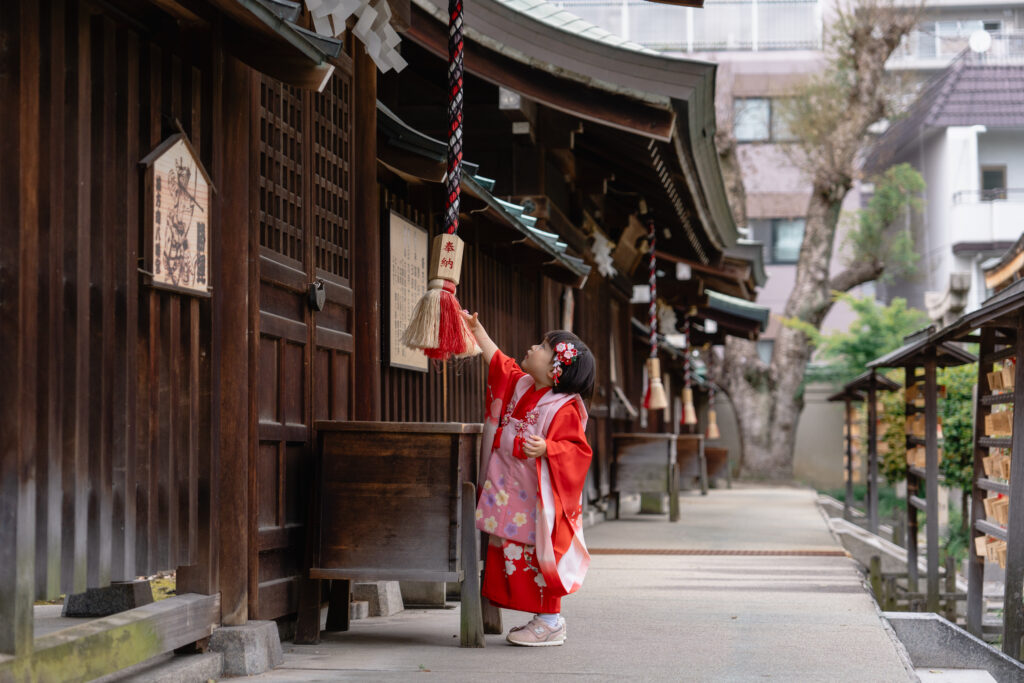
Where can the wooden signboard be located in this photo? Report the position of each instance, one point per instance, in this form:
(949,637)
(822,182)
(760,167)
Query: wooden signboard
(408,282)
(177,230)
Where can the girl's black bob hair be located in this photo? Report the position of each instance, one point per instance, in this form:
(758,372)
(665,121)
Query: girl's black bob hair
(577,377)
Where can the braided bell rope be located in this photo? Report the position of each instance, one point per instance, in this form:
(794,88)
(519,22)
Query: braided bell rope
(652,309)
(455,95)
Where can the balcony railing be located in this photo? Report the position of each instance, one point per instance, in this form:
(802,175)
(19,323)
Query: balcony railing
(930,49)
(987,215)
(721,25)
(998,194)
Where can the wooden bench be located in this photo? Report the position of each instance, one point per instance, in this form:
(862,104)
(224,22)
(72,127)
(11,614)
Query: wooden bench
(718,463)
(397,502)
(690,457)
(645,463)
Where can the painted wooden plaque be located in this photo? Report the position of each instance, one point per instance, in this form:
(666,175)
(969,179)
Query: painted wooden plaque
(177,235)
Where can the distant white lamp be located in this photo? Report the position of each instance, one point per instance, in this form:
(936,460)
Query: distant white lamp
(980,41)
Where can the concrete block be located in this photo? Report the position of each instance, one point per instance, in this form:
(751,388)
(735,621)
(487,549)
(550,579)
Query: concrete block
(358,609)
(102,602)
(385,597)
(934,642)
(653,503)
(249,649)
(194,668)
(423,593)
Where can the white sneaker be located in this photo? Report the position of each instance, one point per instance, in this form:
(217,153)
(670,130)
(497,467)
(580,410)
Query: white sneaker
(536,633)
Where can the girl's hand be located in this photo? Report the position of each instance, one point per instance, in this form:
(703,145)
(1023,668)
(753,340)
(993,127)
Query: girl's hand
(487,346)
(472,321)
(535,446)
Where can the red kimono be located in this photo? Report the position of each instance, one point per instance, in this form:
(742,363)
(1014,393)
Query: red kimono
(532,507)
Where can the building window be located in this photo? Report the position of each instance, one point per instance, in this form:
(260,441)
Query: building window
(781,131)
(993,183)
(787,236)
(752,119)
(760,119)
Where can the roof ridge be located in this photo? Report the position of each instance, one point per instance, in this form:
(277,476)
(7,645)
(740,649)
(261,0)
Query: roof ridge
(561,19)
(951,77)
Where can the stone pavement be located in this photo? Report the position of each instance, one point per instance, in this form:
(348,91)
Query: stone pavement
(698,616)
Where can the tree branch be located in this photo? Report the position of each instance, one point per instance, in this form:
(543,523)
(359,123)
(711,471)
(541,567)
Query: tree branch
(855,274)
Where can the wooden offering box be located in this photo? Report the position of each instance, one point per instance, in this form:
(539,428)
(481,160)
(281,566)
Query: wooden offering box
(645,463)
(397,502)
(692,461)
(718,463)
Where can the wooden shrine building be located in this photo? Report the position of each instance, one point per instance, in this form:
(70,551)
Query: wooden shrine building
(201,206)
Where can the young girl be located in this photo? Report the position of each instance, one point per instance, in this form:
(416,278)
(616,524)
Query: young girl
(532,492)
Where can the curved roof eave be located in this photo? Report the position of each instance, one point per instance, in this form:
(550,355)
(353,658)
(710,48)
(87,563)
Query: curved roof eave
(531,34)
(618,68)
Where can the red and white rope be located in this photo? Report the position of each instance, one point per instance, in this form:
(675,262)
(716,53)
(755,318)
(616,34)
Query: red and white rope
(455,98)
(652,309)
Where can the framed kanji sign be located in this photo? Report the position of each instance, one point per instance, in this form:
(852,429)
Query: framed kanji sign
(408,274)
(177,218)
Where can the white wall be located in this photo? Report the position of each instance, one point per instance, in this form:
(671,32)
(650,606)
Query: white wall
(1003,147)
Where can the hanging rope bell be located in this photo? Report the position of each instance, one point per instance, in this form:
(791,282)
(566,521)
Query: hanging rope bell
(437,327)
(689,412)
(712,431)
(655,398)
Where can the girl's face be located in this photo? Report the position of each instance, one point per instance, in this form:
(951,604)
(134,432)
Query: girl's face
(537,361)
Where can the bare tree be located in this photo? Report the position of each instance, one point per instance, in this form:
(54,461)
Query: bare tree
(830,116)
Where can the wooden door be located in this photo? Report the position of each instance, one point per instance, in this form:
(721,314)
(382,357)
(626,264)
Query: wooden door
(303,356)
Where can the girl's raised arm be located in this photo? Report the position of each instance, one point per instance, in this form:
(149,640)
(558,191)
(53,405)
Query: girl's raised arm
(487,346)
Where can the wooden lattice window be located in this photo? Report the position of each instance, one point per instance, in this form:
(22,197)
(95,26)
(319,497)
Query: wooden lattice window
(332,182)
(280,168)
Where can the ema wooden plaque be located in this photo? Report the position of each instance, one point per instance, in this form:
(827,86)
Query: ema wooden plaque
(177,230)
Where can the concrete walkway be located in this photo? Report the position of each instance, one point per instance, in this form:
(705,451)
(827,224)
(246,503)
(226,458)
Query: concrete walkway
(673,617)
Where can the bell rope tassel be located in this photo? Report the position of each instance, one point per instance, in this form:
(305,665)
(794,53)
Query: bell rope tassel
(437,327)
(655,398)
(689,412)
(713,431)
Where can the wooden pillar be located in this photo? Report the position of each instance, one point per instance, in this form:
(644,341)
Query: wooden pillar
(912,486)
(203,575)
(848,501)
(976,563)
(1013,609)
(931,437)
(19,264)
(232,291)
(366,242)
(872,437)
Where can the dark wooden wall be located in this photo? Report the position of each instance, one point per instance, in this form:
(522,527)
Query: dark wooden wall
(121,385)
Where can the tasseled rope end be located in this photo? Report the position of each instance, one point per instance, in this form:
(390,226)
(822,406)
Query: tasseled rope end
(713,431)
(689,412)
(655,398)
(437,327)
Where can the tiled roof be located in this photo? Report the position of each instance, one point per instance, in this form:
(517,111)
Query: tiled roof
(972,91)
(739,307)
